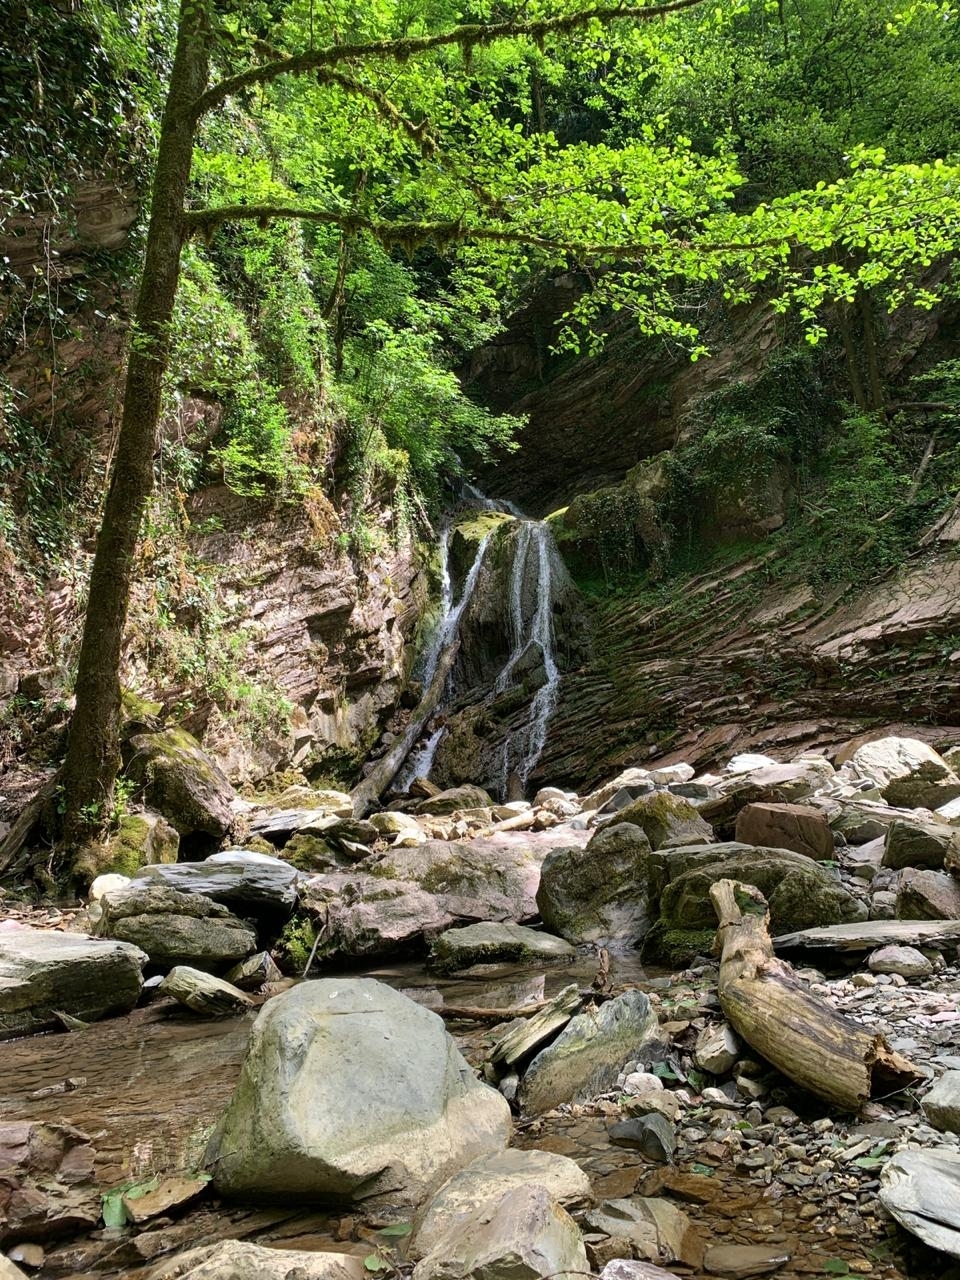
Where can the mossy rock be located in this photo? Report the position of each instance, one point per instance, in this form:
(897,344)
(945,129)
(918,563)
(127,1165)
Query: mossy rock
(308,853)
(180,781)
(295,944)
(496,944)
(667,820)
(257,844)
(676,948)
(140,840)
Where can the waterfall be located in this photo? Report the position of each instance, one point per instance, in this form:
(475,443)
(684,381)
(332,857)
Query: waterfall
(420,761)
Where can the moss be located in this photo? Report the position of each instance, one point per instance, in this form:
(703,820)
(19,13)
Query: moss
(309,853)
(676,948)
(295,945)
(257,844)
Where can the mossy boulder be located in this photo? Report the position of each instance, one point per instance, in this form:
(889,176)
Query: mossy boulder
(141,840)
(600,892)
(667,820)
(496,944)
(309,853)
(465,797)
(181,782)
(676,948)
(176,928)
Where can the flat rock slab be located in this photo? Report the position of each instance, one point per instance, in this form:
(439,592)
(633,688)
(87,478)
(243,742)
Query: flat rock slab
(921,1189)
(631,1269)
(245,882)
(497,944)
(865,935)
(174,927)
(42,971)
(737,1261)
(232,1259)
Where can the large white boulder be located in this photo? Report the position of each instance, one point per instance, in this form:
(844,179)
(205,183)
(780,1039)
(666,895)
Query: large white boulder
(349,1089)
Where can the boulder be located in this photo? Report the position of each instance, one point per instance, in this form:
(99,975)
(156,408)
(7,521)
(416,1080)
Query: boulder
(652,1133)
(927,895)
(365,915)
(397,827)
(628,778)
(173,927)
(180,781)
(140,840)
(786,826)
(482,880)
(908,962)
(525,1235)
(918,842)
(42,971)
(800,892)
(668,821)
(465,797)
(655,1228)
(921,1189)
(598,893)
(487,1180)
(909,772)
(251,884)
(254,973)
(941,1106)
(320,800)
(496,944)
(350,1090)
(860,821)
(241,1260)
(777,783)
(717,1049)
(589,1054)
(203,993)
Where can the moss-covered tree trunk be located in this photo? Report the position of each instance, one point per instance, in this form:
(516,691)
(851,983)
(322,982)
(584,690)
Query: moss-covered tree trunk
(90,769)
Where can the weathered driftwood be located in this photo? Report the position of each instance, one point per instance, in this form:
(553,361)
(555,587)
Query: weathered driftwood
(519,1041)
(776,1015)
(519,822)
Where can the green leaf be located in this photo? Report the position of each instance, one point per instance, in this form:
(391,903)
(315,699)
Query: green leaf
(114,1213)
(373,1262)
(705,1169)
(397,1231)
(836,1267)
(869,1162)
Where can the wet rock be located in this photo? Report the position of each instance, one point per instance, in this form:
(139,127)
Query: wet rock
(254,973)
(786,826)
(941,1106)
(668,821)
(241,1260)
(365,915)
(916,842)
(522,1236)
(717,1049)
(350,1090)
(598,893)
(587,1056)
(652,1134)
(488,1180)
(48,1187)
(181,782)
(465,797)
(738,1261)
(203,993)
(173,927)
(496,944)
(44,972)
(655,1229)
(907,961)
(927,895)
(251,884)
(921,1189)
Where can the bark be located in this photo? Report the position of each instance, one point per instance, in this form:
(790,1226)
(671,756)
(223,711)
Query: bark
(90,768)
(776,1015)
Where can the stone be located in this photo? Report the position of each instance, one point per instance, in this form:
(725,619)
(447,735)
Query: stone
(917,842)
(867,934)
(640,1082)
(909,772)
(747,762)
(10,1271)
(141,839)
(319,800)
(482,880)
(717,1049)
(365,915)
(181,782)
(172,1193)
(254,973)
(941,1106)
(489,1179)
(598,893)
(786,826)
(396,825)
(43,973)
(48,1187)
(738,1261)
(173,927)
(241,1260)
(652,1134)
(634,777)
(525,1235)
(860,821)
(653,1102)
(203,993)
(921,1189)
(655,1228)
(465,797)
(664,775)
(927,895)
(863,861)
(630,1269)
(349,1090)
(907,961)
(496,944)
(106,883)
(667,821)
(587,1056)
(251,884)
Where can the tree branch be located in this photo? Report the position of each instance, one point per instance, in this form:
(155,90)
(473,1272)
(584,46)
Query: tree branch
(467,36)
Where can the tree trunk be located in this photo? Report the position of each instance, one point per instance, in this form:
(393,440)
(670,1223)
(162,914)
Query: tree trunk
(90,768)
(768,1006)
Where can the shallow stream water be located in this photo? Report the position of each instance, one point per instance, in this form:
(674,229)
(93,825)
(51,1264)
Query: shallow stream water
(154,1083)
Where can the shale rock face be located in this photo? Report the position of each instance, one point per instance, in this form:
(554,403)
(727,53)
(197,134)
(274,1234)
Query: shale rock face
(41,971)
(351,1090)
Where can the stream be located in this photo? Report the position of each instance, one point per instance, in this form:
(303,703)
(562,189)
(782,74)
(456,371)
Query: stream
(151,1085)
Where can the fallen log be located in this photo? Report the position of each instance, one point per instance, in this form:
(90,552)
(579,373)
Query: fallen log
(519,822)
(774,1012)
